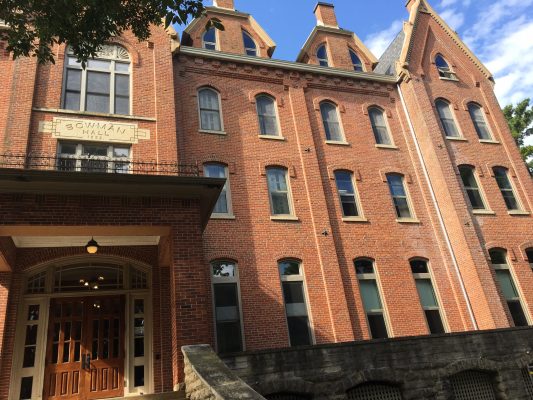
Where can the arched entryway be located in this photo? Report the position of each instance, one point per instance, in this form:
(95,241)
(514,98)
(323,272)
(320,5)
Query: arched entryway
(84,331)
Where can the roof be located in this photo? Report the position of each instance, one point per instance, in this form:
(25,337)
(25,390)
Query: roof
(387,62)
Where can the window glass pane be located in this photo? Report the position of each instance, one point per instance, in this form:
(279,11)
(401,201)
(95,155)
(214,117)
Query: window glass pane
(229,337)
(98,82)
(502,178)
(277,179)
(122,67)
(138,376)
(122,105)
(434,321)
(99,64)
(209,110)
(498,257)
(299,331)
(73,80)
(277,185)
(471,187)
(218,171)
(402,207)
(378,329)
(370,295)
(330,118)
(363,266)
(72,101)
(280,204)
(441,63)
(73,62)
(426,293)
(529,253)
(357,64)
(419,267)
(478,119)
(287,268)
(293,293)
(517,313)
(446,117)
(226,296)
(322,56)
(506,284)
(379,126)
(227,317)
(26,385)
(267,115)
(347,193)
(122,85)
(249,44)
(97,103)
(87,278)
(210,36)
(224,270)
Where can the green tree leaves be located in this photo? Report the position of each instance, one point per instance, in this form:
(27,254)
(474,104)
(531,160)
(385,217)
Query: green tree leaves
(520,120)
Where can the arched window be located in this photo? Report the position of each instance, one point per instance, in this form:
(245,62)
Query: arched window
(330,119)
(223,206)
(498,259)
(322,56)
(268,117)
(356,61)
(446,118)
(209,103)
(529,254)
(226,298)
(471,187)
(444,69)
(279,192)
(506,188)
(249,44)
(347,194)
(472,385)
(374,391)
(479,121)
(379,126)
(400,199)
(209,39)
(103,86)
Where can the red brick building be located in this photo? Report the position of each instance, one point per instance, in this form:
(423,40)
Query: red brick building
(250,203)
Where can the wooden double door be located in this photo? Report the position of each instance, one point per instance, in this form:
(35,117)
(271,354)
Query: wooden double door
(85,349)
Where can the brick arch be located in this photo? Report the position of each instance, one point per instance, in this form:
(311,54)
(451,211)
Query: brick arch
(290,258)
(381,106)
(344,167)
(364,257)
(253,94)
(435,52)
(387,377)
(222,256)
(277,163)
(417,255)
(134,54)
(494,245)
(208,85)
(216,159)
(393,171)
(291,385)
(452,104)
(525,246)
(465,102)
(328,99)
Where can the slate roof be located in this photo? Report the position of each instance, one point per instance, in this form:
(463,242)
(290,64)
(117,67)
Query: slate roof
(387,62)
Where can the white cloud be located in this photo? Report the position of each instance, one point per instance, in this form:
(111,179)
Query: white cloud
(453,18)
(379,41)
(448,3)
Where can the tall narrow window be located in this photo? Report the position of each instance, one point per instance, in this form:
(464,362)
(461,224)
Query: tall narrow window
(278,188)
(223,205)
(446,119)
(498,259)
(444,69)
(356,61)
(249,44)
(103,86)
(399,196)
(506,188)
(209,39)
(209,103)
(529,253)
(292,282)
(322,56)
(330,118)
(347,196)
(428,299)
(227,306)
(471,186)
(371,298)
(379,126)
(268,118)
(479,121)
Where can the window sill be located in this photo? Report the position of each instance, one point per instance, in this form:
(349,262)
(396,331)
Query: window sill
(456,139)
(518,212)
(220,133)
(354,219)
(337,143)
(386,146)
(223,216)
(483,212)
(408,220)
(93,114)
(272,137)
(443,78)
(284,218)
(489,141)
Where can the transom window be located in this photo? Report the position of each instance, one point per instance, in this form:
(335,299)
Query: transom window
(93,157)
(379,126)
(479,121)
(444,69)
(356,61)
(399,196)
(209,39)
(330,119)
(103,86)
(278,188)
(249,44)
(471,186)
(322,56)
(347,194)
(446,118)
(266,112)
(209,105)
(223,205)
(506,188)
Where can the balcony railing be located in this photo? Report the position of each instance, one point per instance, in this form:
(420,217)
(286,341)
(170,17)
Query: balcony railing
(95,164)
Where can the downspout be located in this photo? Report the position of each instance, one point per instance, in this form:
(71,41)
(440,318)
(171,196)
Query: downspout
(439,214)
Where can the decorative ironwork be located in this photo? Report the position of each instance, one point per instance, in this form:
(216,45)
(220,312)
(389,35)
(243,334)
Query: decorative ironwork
(95,164)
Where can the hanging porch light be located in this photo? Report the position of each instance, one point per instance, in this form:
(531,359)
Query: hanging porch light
(92,246)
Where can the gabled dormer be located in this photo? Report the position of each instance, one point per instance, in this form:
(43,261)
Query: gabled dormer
(241,35)
(330,46)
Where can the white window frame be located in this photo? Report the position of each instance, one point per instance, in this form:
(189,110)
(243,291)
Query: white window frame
(490,139)
(361,215)
(392,144)
(454,118)
(279,135)
(445,73)
(110,158)
(246,49)
(227,189)
(486,209)
(221,131)
(102,55)
(326,60)
(413,217)
(291,214)
(342,139)
(519,203)
(215,43)
(361,65)
(229,279)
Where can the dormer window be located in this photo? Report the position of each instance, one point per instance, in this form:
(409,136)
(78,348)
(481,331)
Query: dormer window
(322,56)
(444,69)
(209,40)
(356,62)
(249,44)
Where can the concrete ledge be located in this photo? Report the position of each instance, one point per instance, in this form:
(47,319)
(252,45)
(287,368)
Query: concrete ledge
(208,378)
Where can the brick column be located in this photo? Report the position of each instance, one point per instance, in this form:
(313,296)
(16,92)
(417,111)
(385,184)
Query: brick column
(336,313)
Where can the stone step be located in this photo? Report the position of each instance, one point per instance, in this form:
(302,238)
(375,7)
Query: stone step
(160,396)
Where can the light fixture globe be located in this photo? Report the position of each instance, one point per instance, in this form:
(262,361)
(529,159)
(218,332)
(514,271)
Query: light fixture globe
(92,246)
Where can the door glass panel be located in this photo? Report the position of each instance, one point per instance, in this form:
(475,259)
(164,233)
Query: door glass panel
(96,326)
(26,385)
(139,375)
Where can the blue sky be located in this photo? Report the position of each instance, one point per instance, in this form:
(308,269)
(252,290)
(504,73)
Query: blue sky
(500,32)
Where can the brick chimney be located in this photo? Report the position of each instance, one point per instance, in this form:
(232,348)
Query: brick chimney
(224,4)
(325,15)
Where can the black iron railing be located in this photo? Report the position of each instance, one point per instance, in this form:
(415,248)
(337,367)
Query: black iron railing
(95,164)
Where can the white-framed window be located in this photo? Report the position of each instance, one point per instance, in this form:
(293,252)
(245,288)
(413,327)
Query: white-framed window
(250,47)
(227,306)
(94,157)
(504,278)
(479,121)
(506,188)
(295,300)
(210,110)
(347,194)
(399,195)
(371,297)
(331,120)
(446,118)
(267,114)
(322,56)
(104,86)
(471,186)
(279,192)
(356,61)
(209,39)
(444,69)
(223,207)
(379,126)
(426,293)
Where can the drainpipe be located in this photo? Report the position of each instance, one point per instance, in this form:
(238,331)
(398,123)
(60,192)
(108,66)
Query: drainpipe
(439,214)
